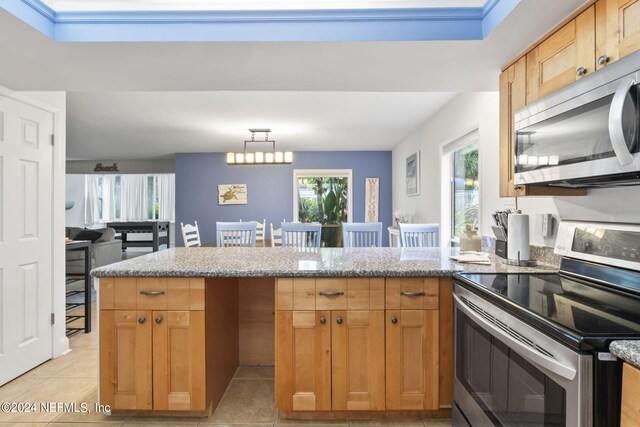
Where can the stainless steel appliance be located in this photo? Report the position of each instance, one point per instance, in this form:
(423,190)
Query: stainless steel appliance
(532,349)
(585,135)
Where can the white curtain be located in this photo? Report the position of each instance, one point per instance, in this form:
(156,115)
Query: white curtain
(133,193)
(108,198)
(166,188)
(91,203)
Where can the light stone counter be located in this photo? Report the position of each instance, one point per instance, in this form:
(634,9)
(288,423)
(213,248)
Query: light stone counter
(287,262)
(627,350)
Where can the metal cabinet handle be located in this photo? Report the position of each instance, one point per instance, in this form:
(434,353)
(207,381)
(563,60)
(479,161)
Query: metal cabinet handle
(394,319)
(616,130)
(339,320)
(152,293)
(603,59)
(323,320)
(331,294)
(141,319)
(581,71)
(159,320)
(412,294)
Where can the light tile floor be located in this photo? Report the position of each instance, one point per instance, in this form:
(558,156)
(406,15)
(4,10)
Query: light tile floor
(248,402)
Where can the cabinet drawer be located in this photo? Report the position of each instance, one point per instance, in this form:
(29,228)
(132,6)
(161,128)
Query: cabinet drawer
(330,294)
(412,294)
(129,293)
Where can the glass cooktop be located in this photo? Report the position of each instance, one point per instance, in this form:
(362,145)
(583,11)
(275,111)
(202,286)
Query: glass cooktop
(588,316)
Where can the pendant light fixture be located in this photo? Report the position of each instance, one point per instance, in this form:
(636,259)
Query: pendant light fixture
(272,157)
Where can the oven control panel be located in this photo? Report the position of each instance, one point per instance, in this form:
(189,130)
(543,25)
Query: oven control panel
(607,243)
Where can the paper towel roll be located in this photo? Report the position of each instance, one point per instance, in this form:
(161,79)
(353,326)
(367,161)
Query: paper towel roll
(518,238)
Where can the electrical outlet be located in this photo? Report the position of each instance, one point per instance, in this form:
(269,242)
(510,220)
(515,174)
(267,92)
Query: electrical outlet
(546,222)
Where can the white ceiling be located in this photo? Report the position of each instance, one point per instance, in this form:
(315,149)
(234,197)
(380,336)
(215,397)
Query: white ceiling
(317,95)
(92,5)
(139,125)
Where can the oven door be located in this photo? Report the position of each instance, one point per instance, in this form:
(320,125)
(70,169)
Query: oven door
(590,135)
(509,374)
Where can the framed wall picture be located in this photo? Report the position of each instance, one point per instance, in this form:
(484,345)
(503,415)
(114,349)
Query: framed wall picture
(232,194)
(413,174)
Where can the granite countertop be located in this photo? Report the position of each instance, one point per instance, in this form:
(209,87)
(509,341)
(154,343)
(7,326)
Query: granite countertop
(289,262)
(627,350)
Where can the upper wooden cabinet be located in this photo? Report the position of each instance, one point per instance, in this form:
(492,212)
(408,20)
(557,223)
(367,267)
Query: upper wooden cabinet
(563,58)
(513,94)
(617,30)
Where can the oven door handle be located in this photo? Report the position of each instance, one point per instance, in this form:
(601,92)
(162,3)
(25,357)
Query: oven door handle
(616,131)
(567,372)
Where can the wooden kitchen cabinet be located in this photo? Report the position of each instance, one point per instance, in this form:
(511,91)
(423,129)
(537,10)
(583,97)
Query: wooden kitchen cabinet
(303,360)
(152,357)
(358,360)
(630,402)
(617,30)
(513,96)
(412,359)
(564,57)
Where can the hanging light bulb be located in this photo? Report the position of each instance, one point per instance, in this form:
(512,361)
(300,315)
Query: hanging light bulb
(231,158)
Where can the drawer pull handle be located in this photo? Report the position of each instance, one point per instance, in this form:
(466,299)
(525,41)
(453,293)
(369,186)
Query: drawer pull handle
(158,320)
(141,319)
(152,293)
(339,320)
(323,320)
(394,320)
(412,294)
(331,294)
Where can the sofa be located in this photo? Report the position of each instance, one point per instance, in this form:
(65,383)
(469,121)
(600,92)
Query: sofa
(105,250)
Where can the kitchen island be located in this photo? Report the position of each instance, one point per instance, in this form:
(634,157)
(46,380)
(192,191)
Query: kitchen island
(353,333)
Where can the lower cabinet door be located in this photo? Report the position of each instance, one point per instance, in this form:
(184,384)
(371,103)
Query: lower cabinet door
(412,349)
(303,360)
(179,361)
(125,359)
(357,369)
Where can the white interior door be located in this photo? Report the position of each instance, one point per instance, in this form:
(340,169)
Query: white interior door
(26,280)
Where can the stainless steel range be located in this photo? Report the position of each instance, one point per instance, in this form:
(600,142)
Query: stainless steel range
(532,349)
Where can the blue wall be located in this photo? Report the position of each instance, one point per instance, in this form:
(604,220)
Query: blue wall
(269,187)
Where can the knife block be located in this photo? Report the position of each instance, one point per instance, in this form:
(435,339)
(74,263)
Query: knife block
(501,248)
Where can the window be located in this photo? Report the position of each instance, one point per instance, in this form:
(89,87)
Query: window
(323,196)
(129,197)
(461,185)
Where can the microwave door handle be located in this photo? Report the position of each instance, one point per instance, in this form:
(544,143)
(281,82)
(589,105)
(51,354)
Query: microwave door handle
(616,131)
(567,372)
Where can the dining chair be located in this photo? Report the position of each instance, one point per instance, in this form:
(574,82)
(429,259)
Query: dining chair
(361,234)
(276,236)
(190,235)
(419,235)
(260,232)
(236,234)
(301,235)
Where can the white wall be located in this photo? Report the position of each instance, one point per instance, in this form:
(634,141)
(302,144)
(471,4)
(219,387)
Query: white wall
(74,192)
(480,110)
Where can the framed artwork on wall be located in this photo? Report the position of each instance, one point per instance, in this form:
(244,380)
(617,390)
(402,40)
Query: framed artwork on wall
(232,194)
(413,174)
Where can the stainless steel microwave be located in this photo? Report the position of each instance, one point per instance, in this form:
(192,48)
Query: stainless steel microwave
(585,135)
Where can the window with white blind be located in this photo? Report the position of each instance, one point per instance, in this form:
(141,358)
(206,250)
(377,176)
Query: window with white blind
(461,185)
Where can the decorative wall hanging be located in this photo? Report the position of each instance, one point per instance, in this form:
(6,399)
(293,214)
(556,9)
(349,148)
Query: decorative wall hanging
(413,174)
(232,194)
(371,199)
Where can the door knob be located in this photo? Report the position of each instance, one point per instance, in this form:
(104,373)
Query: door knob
(394,319)
(339,320)
(323,320)
(603,59)
(159,320)
(581,71)
(141,319)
